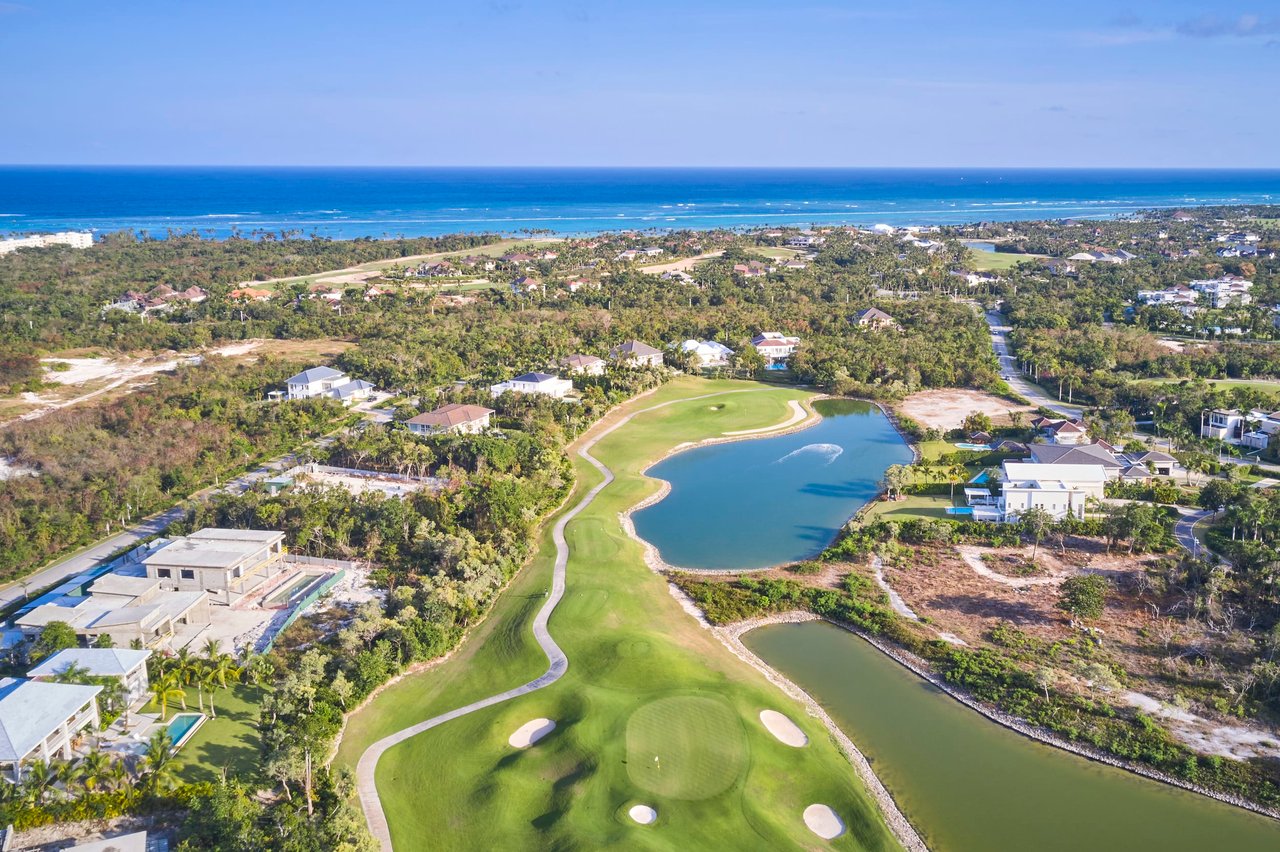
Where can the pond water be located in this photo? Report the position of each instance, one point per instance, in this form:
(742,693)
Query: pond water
(966,783)
(770,501)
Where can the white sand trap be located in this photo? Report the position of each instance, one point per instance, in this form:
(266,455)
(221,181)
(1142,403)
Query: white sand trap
(530,732)
(786,731)
(823,821)
(643,814)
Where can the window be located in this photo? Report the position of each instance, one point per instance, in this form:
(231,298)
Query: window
(163,572)
(188,574)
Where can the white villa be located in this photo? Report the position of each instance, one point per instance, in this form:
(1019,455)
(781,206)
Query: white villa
(707,353)
(1248,429)
(326,381)
(636,354)
(540,383)
(1059,489)
(41,721)
(1225,291)
(463,419)
(124,664)
(775,346)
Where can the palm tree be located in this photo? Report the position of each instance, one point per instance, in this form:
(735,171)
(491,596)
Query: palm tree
(211,649)
(163,691)
(117,777)
(156,767)
(68,774)
(94,768)
(37,780)
(220,670)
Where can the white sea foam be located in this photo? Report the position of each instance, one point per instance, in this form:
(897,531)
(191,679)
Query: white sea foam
(829,451)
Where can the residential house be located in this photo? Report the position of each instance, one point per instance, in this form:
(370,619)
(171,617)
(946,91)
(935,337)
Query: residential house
(225,564)
(628,255)
(1099,454)
(516,258)
(1058,266)
(1238,250)
(1222,424)
(677,275)
(874,319)
(126,665)
(250,294)
(1226,291)
(1179,296)
(480,261)
(539,383)
(525,284)
(750,269)
(326,381)
(707,353)
(454,417)
(775,346)
(633,353)
(805,241)
(576,284)
(585,365)
(1059,489)
(1100,256)
(1161,464)
(794,265)
(42,721)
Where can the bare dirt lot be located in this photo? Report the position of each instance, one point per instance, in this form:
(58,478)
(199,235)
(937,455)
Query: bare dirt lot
(947,409)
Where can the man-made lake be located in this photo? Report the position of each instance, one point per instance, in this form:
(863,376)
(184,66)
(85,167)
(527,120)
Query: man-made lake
(969,785)
(770,501)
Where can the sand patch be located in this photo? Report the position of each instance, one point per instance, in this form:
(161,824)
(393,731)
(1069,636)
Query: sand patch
(530,732)
(785,730)
(1206,736)
(643,814)
(823,821)
(947,409)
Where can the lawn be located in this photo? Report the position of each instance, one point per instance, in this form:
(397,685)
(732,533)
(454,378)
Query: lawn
(910,507)
(644,682)
(985,261)
(229,741)
(775,252)
(1265,385)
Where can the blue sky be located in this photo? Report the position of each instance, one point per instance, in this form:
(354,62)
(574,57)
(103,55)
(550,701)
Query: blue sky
(516,82)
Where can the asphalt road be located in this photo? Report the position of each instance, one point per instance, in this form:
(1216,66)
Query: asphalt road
(1009,369)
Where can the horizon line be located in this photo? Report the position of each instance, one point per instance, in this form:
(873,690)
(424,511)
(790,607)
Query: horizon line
(718,167)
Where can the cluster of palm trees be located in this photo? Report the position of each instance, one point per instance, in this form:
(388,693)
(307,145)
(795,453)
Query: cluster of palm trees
(211,671)
(898,477)
(99,771)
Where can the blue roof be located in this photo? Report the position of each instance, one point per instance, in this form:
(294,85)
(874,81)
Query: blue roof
(534,377)
(316,374)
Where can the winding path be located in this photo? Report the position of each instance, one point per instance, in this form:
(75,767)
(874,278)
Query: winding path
(366,783)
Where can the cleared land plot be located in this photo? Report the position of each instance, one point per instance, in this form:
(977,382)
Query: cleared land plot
(947,409)
(994,261)
(630,645)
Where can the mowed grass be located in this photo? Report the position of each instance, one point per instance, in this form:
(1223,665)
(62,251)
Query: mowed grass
(231,741)
(910,507)
(996,261)
(644,681)
(1266,385)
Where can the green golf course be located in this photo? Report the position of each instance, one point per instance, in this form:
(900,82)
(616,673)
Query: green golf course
(653,710)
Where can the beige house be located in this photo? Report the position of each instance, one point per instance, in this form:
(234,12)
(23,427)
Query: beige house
(225,564)
(585,365)
(467,419)
(633,353)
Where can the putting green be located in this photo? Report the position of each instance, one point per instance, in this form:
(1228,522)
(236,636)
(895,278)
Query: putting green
(685,747)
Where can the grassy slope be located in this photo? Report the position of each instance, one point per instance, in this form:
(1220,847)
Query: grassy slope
(629,644)
(984,261)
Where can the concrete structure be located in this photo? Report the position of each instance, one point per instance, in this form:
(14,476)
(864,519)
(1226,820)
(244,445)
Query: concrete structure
(224,564)
(585,365)
(75,239)
(124,664)
(41,721)
(633,353)
(135,842)
(326,381)
(123,608)
(539,383)
(463,419)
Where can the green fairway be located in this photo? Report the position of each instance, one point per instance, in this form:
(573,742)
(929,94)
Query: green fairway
(1266,385)
(230,741)
(644,681)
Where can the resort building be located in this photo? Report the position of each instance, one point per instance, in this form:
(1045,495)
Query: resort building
(326,381)
(454,417)
(223,563)
(42,721)
(633,353)
(585,365)
(75,239)
(126,665)
(775,346)
(1226,291)
(539,383)
(707,353)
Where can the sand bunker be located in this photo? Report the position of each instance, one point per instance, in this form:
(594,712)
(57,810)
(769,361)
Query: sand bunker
(643,814)
(823,821)
(530,732)
(785,730)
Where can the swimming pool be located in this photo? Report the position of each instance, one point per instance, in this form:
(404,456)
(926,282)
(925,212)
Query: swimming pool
(965,445)
(182,726)
(295,590)
(959,510)
(980,478)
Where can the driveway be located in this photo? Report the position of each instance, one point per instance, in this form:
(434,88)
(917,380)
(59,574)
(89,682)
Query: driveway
(1009,369)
